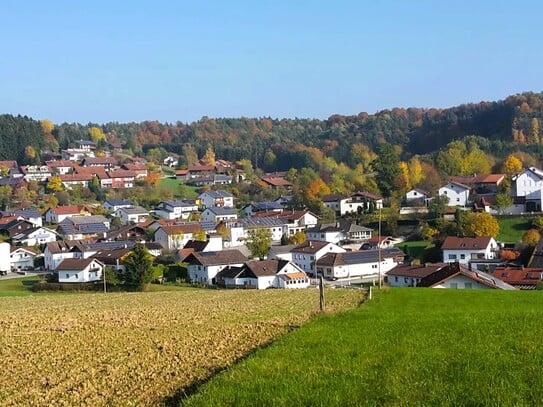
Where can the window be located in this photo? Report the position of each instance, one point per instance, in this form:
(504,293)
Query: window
(462,256)
(396,278)
(67,276)
(467,286)
(457,199)
(452,256)
(454,285)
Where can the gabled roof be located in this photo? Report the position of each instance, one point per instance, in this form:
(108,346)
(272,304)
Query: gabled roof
(334,197)
(218,194)
(455,269)
(290,215)
(197,168)
(134,210)
(466,243)
(119,202)
(69,209)
(75,264)
(458,184)
(134,167)
(366,194)
(221,211)
(522,277)
(100,161)
(420,191)
(265,206)
(23,213)
(75,177)
(276,181)
(216,258)
(416,271)
(180,229)
(310,246)
(358,257)
(121,174)
(260,268)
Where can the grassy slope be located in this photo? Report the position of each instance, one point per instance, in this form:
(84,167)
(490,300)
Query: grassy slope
(406,347)
(512,228)
(16,287)
(173,184)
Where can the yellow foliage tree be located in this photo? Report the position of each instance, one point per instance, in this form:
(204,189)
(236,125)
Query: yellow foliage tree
(47,126)
(416,175)
(512,165)
(55,184)
(96,134)
(404,174)
(317,188)
(30,153)
(209,157)
(481,224)
(531,237)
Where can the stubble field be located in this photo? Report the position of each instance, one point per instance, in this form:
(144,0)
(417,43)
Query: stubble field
(139,348)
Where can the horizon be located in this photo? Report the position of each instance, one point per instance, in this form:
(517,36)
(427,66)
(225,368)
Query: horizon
(171,62)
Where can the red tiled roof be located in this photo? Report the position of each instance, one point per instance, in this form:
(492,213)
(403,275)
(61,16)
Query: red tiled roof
(519,276)
(277,182)
(417,271)
(466,243)
(75,177)
(121,174)
(69,209)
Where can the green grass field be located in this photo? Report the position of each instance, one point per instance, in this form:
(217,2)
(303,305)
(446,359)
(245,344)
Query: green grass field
(405,347)
(188,192)
(512,228)
(17,287)
(414,248)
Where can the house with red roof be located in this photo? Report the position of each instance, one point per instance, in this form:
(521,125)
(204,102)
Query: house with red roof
(467,249)
(457,276)
(59,213)
(523,278)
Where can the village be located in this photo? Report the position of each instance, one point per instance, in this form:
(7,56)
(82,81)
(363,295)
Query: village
(209,234)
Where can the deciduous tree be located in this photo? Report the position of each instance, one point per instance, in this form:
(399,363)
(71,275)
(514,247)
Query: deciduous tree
(481,224)
(259,242)
(531,237)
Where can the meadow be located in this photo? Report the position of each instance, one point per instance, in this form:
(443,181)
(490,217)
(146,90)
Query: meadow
(512,228)
(413,346)
(138,349)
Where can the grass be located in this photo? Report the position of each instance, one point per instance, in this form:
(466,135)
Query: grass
(512,228)
(405,347)
(415,248)
(173,184)
(17,287)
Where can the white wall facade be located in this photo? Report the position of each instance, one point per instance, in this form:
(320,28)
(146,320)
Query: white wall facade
(463,283)
(458,196)
(93,272)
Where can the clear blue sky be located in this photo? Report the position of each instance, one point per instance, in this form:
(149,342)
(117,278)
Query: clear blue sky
(100,61)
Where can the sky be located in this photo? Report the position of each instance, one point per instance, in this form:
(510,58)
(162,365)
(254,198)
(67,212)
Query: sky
(100,61)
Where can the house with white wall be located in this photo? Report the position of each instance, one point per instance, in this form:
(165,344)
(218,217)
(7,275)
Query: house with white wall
(529,185)
(466,249)
(457,193)
(80,270)
(306,254)
(176,236)
(263,274)
(132,214)
(59,213)
(34,236)
(362,263)
(410,275)
(218,198)
(203,267)
(176,209)
(457,276)
(219,214)
(22,258)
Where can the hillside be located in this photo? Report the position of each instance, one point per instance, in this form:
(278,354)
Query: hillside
(279,144)
(407,347)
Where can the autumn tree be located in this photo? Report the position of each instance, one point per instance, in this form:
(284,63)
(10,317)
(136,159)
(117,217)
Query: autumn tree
(47,126)
(416,173)
(55,184)
(512,165)
(209,156)
(259,242)
(297,238)
(96,134)
(189,154)
(5,195)
(531,237)
(481,224)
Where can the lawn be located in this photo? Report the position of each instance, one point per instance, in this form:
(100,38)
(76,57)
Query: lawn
(413,346)
(513,227)
(140,349)
(180,190)
(415,248)
(16,287)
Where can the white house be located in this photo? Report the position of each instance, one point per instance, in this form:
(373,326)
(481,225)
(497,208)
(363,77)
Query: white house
(457,276)
(363,263)
(360,201)
(239,229)
(529,184)
(466,249)
(31,215)
(59,213)
(218,214)
(84,227)
(176,209)
(113,204)
(417,195)
(34,236)
(22,258)
(56,252)
(132,214)
(338,232)
(296,221)
(203,267)
(410,275)
(457,193)
(80,270)
(306,254)
(219,198)
(176,236)
(262,274)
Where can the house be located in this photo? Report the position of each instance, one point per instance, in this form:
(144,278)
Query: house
(176,237)
(417,196)
(210,180)
(218,198)
(283,252)
(203,267)
(488,184)
(86,145)
(255,207)
(176,209)
(15,226)
(127,232)
(118,179)
(262,274)
(376,242)
(108,163)
(38,173)
(529,185)
(55,252)
(76,154)
(22,258)
(305,255)
(31,215)
(239,229)
(457,193)
(71,180)
(296,221)
(34,236)
(467,249)
(200,171)
(84,227)
(112,258)
(59,213)
(60,167)
(339,232)
(213,243)
(218,214)
(114,204)
(181,174)
(139,169)
(458,276)
(409,275)
(132,214)
(171,161)
(361,201)
(520,277)
(80,270)
(275,182)
(363,263)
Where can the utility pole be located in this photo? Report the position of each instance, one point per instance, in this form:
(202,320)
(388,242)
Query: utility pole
(379,251)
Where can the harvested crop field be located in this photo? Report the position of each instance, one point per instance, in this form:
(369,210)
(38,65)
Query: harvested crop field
(139,348)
